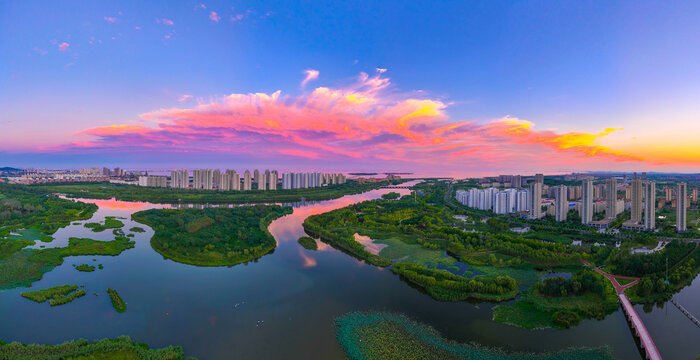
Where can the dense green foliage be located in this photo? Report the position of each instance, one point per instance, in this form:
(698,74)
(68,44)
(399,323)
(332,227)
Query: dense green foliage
(444,285)
(578,284)
(212,236)
(23,207)
(308,243)
(174,196)
(385,336)
(137,229)
(391,196)
(120,348)
(109,223)
(28,265)
(566,319)
(117,302)
(58,295)
(85,268)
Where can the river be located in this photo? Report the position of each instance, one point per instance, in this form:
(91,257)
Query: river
(283,305)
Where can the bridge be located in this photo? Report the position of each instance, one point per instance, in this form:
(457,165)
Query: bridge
(395,187)
(686,312)
(640,330)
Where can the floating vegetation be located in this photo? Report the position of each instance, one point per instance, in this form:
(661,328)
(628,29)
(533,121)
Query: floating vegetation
(117,301)
(58,295)
(308,243)
(386,336)
(137,229)
(85,268)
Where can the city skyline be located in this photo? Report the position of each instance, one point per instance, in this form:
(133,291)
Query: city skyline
(484,100)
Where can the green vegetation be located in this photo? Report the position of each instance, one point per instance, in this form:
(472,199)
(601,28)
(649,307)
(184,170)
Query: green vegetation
(85,268)
(109,223)
(174,196)
(137,229)
(24,267)
(100,266)
(120,348)
(391,196)
(212,236)
(443,285)
(117,301)
(385,336)
(26,207)
(308,243)
(559,303)
(58,295)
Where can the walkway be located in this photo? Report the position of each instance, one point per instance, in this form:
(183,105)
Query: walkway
(686,312)
(640,330)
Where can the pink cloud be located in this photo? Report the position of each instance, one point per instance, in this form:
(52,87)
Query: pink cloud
(63,46)
(40,51)
(310,75)
(110,19)
(361,121)
(184,97)
(213,16)
(166,22)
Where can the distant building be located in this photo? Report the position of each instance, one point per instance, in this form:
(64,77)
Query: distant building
(561,203)
(535,200)
(539,178)
(247,181)
(203,179)
(681,206)
(669,194)
(180,179)
(636,199)
(153,181)
(650,205)
(516,181)
(587,201)
(610,198)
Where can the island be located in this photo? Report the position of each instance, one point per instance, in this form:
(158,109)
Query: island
(119,348)
(216,236)
(110,223)
(308,243)
(58,295)
(117,302)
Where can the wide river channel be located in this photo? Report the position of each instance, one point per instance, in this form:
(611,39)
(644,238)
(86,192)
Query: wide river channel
(283,305)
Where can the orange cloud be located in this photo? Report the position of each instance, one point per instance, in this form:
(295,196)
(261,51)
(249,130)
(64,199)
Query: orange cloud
(362,121)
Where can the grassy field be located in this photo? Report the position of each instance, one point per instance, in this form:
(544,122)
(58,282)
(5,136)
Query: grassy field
(386,336)
(106,349)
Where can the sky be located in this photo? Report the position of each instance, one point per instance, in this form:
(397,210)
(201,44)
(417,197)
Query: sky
(453,87)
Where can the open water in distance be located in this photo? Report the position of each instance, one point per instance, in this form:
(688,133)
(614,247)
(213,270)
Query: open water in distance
(283,305)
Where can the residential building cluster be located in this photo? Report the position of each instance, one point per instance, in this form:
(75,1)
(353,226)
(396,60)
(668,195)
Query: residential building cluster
(208,179)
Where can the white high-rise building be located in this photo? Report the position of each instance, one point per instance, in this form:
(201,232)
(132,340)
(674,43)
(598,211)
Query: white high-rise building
(180,179)
(247,181)
(521,201)
(535,200)
(203,179)
(561,203)
(650,205)
(586,201)
(681,206)
(272,180)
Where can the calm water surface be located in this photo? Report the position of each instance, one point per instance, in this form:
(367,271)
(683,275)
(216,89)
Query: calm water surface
(283,305)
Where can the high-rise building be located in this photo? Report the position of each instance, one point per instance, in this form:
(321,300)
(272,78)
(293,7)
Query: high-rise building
(535,200)
(247,182)
(636,198)
(203,179)
(694,195)
(272,180)
(668,192)
(179,179)
(561,203)
(586,201)
(516,181)
(153,181)
(681,206)
(650,205)
(539,178)
(611,198)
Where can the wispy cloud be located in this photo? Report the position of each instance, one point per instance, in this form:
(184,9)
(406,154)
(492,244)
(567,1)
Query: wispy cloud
(40,51)
(110,19)
(310,75)
(184,97)
(213,16)
(166,22)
